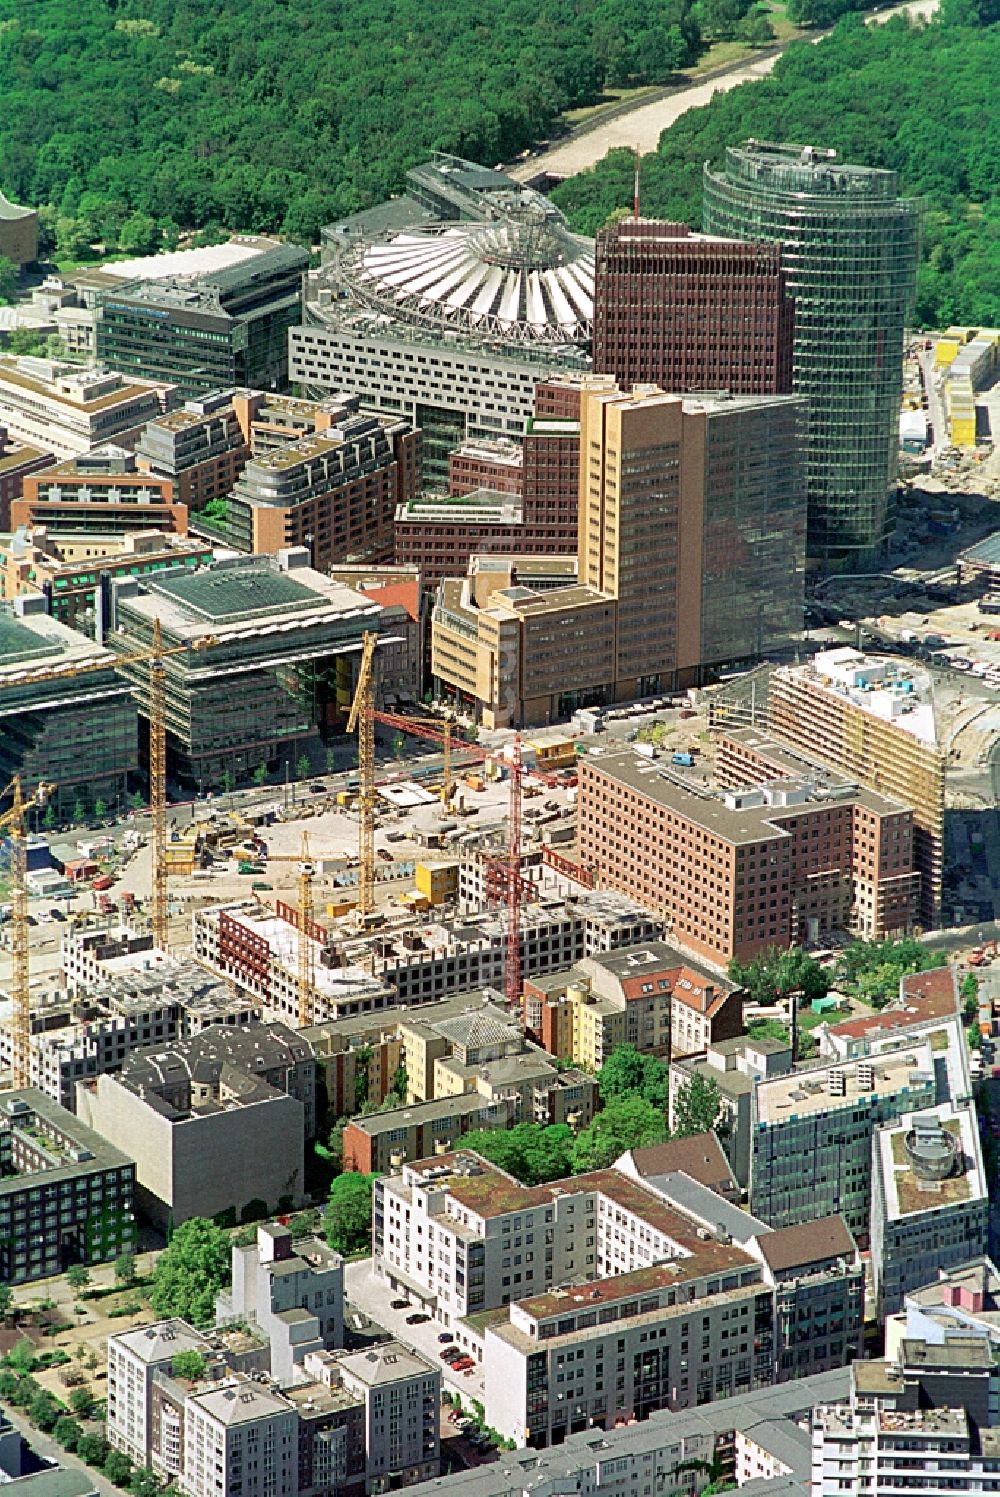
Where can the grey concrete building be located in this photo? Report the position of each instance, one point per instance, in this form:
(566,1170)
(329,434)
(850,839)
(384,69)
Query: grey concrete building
(215,1122)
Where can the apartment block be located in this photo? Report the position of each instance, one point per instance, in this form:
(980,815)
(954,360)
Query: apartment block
(813,1127)
(738,871)
(925,1421)
(133,1359)
(98,493)
(698,1155)
(613,1297)
(66,1194)
(691,311)
(930,1203)
(402,1404)
(355,1056)
(761,1437)
(872,718)
(650,996)
(291,1292)
(335,491)
(819,1295)
(248,1432)
(78,734)
(213,1122)
(520,1090)
(357,1424)
(201,448)
(223,328)
(17,460)
(386,1141)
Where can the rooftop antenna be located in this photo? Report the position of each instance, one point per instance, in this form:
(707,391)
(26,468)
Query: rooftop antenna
(635,187)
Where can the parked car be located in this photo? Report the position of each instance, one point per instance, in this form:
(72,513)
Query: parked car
(446,1336)
(417,1319)
(399,1304)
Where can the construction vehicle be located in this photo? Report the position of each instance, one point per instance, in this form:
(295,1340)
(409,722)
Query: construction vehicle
(13,822)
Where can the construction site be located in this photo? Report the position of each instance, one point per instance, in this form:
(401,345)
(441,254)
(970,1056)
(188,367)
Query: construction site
(374,888)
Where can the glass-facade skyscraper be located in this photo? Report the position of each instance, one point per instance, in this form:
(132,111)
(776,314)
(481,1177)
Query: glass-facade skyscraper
(850,248)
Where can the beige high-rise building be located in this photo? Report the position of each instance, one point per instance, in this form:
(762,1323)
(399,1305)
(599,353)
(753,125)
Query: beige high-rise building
(691,556)
(873,719)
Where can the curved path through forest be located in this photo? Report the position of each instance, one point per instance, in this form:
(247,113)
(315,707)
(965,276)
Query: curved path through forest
(643,123)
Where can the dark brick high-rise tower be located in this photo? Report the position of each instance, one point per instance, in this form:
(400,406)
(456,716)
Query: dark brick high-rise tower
(691,312)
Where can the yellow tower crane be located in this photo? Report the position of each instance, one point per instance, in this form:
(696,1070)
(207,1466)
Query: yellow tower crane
(362,719)
(14,823)
(154,657)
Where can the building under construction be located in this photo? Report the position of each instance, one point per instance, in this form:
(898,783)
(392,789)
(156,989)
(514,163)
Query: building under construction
(270,665)
(414,963)
(78,733)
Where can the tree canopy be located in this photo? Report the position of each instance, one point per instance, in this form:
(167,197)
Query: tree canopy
(347,1220)
(529,1153)
(623,1123)
(129,118)
(776,974)
(697,1106)
(190,1272)
(872,969)
(918,99)
(627,1072)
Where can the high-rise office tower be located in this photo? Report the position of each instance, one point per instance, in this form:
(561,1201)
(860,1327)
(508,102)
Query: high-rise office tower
(690,311)
(691,518)
(849,247)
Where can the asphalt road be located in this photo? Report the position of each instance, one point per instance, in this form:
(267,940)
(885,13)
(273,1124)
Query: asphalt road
(47,1448)
(640,125)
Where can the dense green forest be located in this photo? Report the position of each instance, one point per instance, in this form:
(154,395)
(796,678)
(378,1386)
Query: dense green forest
(920,99)
(133,117)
